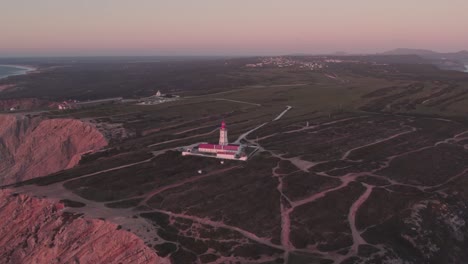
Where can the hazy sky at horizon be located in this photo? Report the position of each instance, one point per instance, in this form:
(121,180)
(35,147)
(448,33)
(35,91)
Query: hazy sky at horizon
(222,27)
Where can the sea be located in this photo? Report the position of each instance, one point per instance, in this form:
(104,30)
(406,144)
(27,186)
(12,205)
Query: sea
(9,70)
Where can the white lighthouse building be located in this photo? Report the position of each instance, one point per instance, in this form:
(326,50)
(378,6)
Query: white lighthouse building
(222,150)
(223,135)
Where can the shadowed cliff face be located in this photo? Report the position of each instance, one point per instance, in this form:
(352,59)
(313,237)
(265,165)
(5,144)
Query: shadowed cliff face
(32,148)
(38,231)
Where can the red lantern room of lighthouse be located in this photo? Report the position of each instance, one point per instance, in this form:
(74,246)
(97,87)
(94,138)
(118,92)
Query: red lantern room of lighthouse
(223,136)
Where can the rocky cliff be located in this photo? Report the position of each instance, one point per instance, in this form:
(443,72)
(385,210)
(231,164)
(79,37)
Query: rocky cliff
(31,147)
(39,231)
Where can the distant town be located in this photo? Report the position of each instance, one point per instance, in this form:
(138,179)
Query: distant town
(313,63)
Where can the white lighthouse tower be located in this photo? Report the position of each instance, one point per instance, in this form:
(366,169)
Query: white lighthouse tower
(223,137)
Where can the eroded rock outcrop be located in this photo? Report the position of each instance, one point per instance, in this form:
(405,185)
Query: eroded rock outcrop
(39,231)
(30,147)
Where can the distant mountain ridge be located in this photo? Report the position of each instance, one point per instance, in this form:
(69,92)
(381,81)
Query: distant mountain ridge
(448,61)
(429,54)
(405,51)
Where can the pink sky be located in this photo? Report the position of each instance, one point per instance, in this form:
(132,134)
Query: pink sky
(222,27)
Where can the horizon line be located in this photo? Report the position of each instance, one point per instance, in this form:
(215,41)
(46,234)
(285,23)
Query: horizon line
(335,53)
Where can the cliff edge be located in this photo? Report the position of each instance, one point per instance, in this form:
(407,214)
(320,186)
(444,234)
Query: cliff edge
(31,147)
(39,231)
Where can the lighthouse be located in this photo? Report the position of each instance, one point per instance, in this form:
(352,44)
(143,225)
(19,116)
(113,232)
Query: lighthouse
(222,150)
(223,137)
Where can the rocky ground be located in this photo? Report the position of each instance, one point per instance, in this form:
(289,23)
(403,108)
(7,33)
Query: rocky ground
(33,147)
(39,231)
(357,168)
(347,189)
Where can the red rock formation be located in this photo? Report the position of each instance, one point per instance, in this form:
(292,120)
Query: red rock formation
(38,231)
(31,148)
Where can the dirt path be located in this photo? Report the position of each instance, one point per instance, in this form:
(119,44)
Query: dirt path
(149,195)
(308,127)
(236,101)
(357,238)
(206,221)
(347,153)
(249,88)
(181,139)
(243,136)
(285,205)
(283,113)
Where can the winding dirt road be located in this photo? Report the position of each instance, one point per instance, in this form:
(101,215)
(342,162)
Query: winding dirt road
(286,206)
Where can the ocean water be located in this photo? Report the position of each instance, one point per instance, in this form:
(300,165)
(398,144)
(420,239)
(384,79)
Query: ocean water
(7,70)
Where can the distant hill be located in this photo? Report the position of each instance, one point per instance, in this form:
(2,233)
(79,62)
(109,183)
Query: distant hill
(429,54)
(337,53)
(462,54)
(390,59)
(403,51)
(448,61)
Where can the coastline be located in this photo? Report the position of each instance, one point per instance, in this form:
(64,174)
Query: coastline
(22,69)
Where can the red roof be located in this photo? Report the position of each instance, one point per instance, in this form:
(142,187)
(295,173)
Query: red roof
(208,146)
(227,153)
(214,146)
(231,147)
